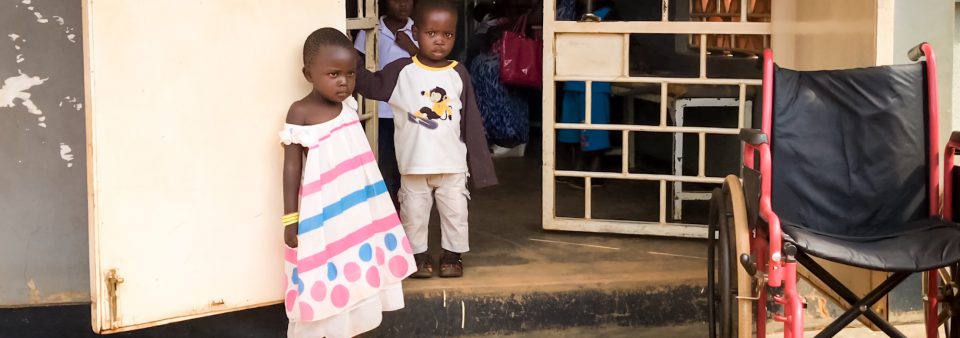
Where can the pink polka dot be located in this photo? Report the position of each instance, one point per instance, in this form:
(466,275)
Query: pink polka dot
(373,277)
(352,272)
(340,296)
(406,245)
(319,291)
(398,266)
(381,257)
(306,312)
(291,299)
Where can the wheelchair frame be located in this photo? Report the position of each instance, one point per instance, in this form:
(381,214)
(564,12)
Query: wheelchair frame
(769,262)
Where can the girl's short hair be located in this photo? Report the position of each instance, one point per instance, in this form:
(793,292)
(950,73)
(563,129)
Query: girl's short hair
(323,37)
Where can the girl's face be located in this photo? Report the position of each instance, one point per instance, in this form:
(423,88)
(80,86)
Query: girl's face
(399,9)
(333,73)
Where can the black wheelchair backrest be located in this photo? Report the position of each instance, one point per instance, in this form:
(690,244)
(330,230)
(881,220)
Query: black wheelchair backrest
(850,149)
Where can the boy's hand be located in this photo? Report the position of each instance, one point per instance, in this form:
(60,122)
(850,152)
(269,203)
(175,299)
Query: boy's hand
(290,234)
(405,42)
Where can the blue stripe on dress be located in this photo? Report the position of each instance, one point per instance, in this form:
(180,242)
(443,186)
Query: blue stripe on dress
(338,207)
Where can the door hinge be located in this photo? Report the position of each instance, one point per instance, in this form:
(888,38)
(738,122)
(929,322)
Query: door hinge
(113,281)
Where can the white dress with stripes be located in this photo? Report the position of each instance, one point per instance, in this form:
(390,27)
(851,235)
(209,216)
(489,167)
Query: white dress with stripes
(352,250)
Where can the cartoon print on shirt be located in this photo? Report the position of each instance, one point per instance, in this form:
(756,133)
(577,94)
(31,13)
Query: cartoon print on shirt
(440,109)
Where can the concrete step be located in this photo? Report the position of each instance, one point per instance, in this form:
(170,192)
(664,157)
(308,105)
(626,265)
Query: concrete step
(621,313)
(611,331)
(457,313)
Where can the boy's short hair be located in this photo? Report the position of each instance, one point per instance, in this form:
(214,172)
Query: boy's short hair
(324,37)
(423,7)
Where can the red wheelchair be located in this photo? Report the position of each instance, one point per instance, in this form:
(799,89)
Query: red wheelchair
(844,168)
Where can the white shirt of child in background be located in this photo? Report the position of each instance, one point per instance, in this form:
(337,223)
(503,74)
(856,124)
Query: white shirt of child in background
(389,52)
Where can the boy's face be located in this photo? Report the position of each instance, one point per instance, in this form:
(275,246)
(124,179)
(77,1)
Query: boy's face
(333,72)
(436,34)
(399,9)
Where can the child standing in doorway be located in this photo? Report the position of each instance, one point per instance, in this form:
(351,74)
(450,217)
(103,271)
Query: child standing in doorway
(395,42)
(439,136)
(586,147)
(346,249)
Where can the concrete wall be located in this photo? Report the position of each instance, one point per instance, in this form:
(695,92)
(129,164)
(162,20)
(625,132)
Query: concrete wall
(43,206)
(932,21)
(825,34)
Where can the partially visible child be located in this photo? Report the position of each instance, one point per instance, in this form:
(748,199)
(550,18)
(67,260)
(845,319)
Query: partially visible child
(586,147)
(347,251)
(395,42)
(439,136)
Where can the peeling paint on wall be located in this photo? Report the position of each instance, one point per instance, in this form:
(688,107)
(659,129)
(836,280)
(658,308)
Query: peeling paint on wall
(15,88)
(39,16)
(66,155)
(69,31)
(34,291)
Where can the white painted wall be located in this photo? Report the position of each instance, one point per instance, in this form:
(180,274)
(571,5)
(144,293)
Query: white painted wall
(185,99)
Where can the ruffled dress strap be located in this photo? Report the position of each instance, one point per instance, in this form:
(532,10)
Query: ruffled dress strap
(297,134)
(351,103)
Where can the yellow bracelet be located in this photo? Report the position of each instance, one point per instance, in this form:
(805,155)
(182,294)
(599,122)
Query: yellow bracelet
(291,218)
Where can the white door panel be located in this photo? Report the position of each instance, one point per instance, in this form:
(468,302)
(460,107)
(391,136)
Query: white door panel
(184,102)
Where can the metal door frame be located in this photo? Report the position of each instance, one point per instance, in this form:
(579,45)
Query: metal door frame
(368,20)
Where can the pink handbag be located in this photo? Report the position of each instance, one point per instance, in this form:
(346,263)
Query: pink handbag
(521,57)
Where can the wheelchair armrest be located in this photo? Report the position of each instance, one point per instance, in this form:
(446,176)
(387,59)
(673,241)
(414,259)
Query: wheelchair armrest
(753,136)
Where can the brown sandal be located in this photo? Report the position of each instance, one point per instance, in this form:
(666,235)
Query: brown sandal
(451,265)
(424,266)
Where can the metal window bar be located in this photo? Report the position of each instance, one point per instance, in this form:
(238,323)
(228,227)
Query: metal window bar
(678,193)
(552,30)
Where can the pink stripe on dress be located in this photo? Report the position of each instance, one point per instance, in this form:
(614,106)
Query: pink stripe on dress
(340,169)
(355,238)
(335,129)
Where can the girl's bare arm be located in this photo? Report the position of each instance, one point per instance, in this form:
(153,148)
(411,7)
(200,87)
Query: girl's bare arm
(292,172)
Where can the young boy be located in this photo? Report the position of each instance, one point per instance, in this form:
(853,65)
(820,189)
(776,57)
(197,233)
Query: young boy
(439,136)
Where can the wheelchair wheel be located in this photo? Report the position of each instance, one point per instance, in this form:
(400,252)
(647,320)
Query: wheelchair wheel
(952,304)
(730,312)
